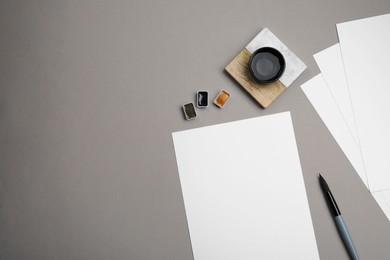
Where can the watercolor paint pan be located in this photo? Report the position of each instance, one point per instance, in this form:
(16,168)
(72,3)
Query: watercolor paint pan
(189,111)
(202,99)
(222,98)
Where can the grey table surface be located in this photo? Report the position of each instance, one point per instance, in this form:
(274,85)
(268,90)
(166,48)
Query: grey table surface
(90,92)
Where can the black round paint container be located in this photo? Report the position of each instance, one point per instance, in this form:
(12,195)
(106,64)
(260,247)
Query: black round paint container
(266,65)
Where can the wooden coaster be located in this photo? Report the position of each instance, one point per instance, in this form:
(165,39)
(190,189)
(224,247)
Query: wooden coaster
(264,94)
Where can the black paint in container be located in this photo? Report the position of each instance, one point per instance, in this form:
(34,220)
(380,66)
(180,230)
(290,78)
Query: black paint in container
(202,99)
(189,111)
(266,65)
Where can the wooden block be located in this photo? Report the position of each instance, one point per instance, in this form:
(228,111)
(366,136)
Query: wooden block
(264,94)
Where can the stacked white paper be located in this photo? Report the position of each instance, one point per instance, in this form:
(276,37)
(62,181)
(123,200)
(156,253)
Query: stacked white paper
(352,96)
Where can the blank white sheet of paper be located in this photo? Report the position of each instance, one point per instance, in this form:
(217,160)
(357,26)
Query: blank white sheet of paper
(324,103)
(321,98)
(331,65)
(244,192)
(365,47)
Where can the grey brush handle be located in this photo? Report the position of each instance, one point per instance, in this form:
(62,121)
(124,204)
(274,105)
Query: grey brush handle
(346,238)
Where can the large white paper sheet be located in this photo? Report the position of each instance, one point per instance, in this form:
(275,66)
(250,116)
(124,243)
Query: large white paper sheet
(244,192)
(331,65)
(324,103)
(366,55)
